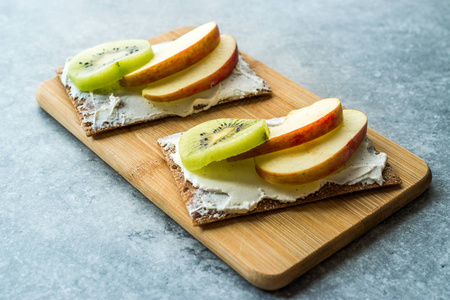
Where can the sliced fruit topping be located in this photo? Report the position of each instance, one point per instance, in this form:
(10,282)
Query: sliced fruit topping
(300,126)
(105,64)
(218,139)
(180,54)
(199,77)
(318,158)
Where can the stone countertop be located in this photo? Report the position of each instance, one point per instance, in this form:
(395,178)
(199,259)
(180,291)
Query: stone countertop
(71,227)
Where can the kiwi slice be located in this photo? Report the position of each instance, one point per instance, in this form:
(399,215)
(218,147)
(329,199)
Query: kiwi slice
(218,139)
(105,64)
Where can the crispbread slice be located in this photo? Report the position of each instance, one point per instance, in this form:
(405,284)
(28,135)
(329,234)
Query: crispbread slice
(86,108)
(190,194)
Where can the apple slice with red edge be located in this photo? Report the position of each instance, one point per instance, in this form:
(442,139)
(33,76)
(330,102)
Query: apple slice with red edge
(300,126)
(199,77)
(318,158)
(180,54)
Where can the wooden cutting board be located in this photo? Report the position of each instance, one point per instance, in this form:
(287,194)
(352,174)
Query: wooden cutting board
(269,249)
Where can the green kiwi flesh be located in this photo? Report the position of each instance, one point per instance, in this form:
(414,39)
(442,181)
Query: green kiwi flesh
(219,139)
(107,63)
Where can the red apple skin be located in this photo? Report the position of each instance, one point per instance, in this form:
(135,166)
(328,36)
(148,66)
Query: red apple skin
(201,85)
(175,63)
(294,138)
(319,171)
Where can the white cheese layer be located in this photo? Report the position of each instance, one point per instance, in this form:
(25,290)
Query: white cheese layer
(119,106)
(236,187)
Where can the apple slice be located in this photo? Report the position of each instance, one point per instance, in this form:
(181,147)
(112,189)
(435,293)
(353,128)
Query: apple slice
(300,126)
(180,54)
(199,77)
(317,158)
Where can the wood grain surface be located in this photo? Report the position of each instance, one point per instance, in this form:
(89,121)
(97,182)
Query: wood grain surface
(269,249)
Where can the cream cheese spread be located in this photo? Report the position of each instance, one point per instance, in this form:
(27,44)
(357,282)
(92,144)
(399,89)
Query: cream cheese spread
(236,187)
(118,106)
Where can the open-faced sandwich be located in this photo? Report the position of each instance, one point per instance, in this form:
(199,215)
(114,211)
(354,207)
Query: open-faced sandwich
(127,82)
(226,168)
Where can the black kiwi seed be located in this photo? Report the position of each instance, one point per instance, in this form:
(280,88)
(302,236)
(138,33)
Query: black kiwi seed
(205,140)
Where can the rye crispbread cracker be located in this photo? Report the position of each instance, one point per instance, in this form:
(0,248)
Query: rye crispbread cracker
(191,194)
(86,108)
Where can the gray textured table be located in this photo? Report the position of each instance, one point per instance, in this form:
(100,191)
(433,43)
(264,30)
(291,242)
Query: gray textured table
(71,227)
